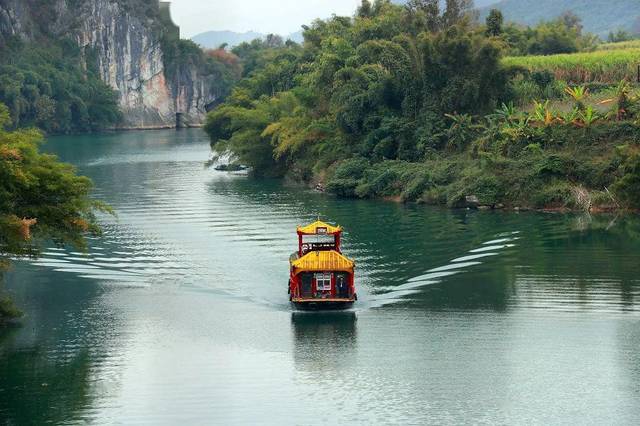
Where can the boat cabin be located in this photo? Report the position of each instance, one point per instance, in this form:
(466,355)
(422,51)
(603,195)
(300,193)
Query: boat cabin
(321,276)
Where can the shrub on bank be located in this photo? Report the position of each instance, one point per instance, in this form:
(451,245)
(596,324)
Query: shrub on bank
(627,187)
(564,167)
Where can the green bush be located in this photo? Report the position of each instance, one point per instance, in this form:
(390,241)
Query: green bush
(627,188)
(416,188)
(556,194)
(377,182)
(346,177)
(345,188)
(556,165)
(351,169)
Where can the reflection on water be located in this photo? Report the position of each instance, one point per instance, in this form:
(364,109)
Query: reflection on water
(180,311)
(38,390)
(324,342)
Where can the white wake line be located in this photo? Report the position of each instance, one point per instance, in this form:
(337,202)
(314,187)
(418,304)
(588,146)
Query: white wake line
(433,276)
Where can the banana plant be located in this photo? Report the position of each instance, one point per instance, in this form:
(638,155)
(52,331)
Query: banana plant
(570,117)
(579,94)
(510,117)
(506,112)
(543,114)
(588,117)
(623,98)
(622,101)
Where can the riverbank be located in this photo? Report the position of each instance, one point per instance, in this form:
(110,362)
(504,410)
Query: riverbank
(540,168)
(546,169)
(391,117)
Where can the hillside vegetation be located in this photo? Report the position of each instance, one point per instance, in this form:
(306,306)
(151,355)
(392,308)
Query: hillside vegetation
(404,103)
(49,87)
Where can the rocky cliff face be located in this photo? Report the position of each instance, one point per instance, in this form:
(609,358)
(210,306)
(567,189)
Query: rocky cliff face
(129,53)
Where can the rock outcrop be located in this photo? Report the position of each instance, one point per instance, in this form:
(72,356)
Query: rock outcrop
(129,53)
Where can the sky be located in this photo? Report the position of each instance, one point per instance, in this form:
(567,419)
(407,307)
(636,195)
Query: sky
(264,16)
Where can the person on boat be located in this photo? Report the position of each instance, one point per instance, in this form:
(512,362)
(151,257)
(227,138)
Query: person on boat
(341,287)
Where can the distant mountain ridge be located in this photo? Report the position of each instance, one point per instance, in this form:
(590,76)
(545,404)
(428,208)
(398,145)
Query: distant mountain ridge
(478,3)
(599,17)
(213,39)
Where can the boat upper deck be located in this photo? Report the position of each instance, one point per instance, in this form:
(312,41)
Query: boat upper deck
(321,261)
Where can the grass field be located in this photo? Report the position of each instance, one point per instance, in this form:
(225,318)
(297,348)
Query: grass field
(632,44)
(610,64)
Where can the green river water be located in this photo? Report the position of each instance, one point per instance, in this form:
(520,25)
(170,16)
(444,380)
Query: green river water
(179,312)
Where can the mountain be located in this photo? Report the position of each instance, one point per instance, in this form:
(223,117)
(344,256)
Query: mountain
(213,39)
(132,45)
(477,3)
(599,17)
(484,3)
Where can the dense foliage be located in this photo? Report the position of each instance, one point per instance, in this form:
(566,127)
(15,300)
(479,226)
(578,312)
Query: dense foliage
(376,86)
(49,87)
(40,199)
(407,102)
(562,35)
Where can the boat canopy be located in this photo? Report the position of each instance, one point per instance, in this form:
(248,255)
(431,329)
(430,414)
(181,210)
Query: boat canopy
(319,228)
(323,261)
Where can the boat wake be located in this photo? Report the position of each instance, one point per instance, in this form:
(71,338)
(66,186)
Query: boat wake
(402,292)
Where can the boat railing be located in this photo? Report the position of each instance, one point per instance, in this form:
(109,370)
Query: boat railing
(297,294)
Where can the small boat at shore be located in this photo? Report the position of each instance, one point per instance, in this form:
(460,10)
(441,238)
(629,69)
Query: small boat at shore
(321,277)
(231,168)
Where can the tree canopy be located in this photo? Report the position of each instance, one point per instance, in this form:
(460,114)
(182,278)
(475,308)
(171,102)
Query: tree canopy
(377,85)
(41,199)
(50,88)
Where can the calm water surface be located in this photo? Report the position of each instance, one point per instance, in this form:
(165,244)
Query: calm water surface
(179,312)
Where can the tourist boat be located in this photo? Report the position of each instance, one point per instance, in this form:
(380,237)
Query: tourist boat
(321,277)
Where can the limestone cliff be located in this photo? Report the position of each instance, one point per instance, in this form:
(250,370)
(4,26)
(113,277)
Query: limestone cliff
(125,38)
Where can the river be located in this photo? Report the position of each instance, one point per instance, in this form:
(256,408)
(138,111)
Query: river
(179,312)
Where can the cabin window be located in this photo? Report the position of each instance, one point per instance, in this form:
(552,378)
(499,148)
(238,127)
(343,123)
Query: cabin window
(318,242)
(323,282)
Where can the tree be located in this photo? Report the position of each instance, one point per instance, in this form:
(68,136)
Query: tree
(41,199)
(494,23)
(274,41)
(365,10)
(619,36)
(554,37)
(457,10)
(635,28)
(426,13)
(572,21)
